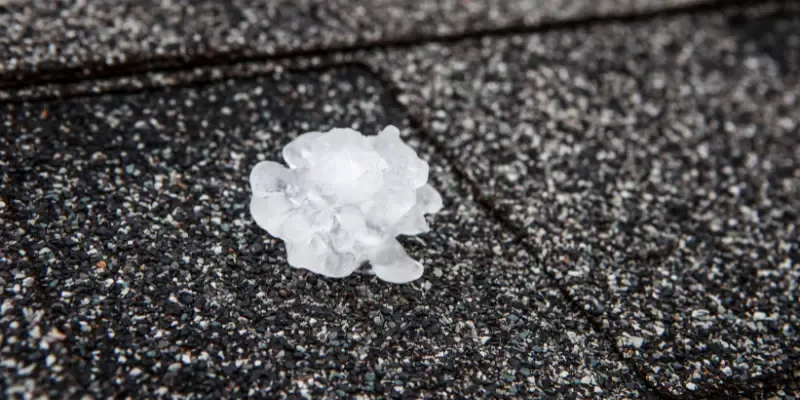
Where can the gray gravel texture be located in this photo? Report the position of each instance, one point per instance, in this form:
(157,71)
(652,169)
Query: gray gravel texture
(96,35)
(621,207)
(655,173)
(133,266)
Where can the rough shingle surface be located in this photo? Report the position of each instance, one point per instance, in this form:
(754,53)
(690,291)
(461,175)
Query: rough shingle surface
(131,265)
(621,200)
(45,36)
(656,173)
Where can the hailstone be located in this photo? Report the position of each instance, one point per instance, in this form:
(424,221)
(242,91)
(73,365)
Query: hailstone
(343,200)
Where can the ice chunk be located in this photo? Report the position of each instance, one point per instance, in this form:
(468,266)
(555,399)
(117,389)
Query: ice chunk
(309,254)
(271,210)
(402,157)
(342,201)
(341,172)
(296,227)
(296,152)
(353,222)
(390,204)
(412,223)
(316,255)
(392,264)
(429,200)
(342,241)
(270,177)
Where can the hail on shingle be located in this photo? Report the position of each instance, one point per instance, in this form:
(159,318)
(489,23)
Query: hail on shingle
(343,200)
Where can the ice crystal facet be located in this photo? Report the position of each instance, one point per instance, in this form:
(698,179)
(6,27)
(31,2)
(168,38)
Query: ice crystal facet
(343,201)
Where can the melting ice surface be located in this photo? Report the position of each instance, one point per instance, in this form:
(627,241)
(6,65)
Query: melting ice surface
(343,200)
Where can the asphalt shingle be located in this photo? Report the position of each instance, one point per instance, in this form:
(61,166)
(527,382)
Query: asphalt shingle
(46,39)
(655,173)
(621,199)
(133,267)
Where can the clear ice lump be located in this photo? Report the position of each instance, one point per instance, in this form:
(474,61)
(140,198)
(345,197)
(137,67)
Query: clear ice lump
(343,200)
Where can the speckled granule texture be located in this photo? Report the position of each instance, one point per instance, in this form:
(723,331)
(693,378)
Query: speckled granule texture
(94,35)
(790,390)
(656,174)
(132,265)
(621,201)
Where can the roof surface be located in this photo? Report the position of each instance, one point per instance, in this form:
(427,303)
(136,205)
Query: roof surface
(621,199)
(87,37)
